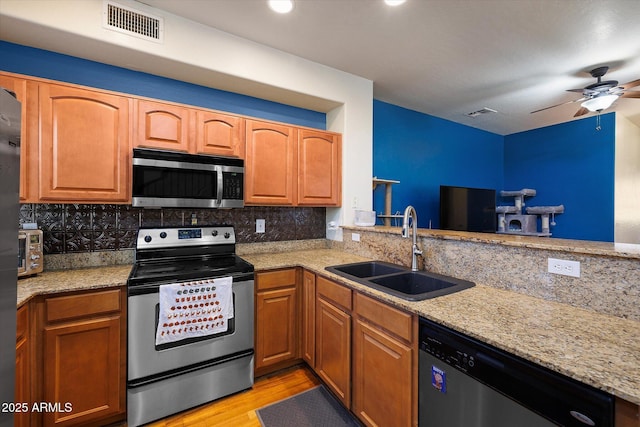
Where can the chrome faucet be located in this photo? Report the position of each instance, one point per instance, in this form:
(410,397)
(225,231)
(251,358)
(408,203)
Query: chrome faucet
(410,213)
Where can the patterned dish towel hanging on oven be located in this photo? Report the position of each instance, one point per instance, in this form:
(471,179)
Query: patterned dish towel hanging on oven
(194,309)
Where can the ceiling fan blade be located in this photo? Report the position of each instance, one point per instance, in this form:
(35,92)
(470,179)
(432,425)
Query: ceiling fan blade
(630,84)
(557,105)
(581,112)
(635,94)
(575,90)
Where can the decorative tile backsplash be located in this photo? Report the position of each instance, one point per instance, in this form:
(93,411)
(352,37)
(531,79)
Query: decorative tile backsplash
(72,228)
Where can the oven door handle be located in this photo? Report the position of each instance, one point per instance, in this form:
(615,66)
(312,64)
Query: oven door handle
(220,185)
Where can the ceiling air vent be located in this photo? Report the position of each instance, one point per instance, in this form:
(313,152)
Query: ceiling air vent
(481,111)
(133,22)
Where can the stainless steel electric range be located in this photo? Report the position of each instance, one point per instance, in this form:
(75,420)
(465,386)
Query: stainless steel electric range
(184,349)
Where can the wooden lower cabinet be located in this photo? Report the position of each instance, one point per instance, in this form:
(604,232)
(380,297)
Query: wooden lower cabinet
(627,414)
(333,338)
(384,364)
(83,343)
(309,318)
(23,368)
(277,337)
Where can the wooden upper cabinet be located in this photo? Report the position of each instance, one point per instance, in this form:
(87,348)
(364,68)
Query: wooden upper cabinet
(219,134)
(270,170)
(319,168)
(163,126)
(85,141)
(26,93)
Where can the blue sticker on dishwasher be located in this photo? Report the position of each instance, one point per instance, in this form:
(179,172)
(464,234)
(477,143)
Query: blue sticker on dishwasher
(438,379)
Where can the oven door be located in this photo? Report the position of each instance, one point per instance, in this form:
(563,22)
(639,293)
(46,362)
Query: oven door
(146,360)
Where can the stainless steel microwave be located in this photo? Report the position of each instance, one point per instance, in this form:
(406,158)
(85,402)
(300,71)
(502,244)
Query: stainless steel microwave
(168,179)
(30,252)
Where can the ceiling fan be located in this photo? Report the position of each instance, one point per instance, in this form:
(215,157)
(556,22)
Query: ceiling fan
(599,96)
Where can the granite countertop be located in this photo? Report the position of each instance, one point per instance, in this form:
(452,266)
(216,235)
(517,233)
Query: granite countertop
(596,349)
(588,247)
(52,282)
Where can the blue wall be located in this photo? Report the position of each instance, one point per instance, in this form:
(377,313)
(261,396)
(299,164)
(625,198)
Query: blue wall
(423,152)
(571,164)
(41,63)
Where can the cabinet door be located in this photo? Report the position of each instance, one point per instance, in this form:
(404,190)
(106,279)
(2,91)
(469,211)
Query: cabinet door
(29,130)
(84,145)
(270,171)
(276,320)
(309,318)
(82,369)
(382,378)
(23,367)
(219,134)
(333,349)
(163,126)
(319,168)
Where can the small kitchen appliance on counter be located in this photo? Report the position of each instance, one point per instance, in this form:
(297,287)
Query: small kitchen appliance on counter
(30,252)
(190,321)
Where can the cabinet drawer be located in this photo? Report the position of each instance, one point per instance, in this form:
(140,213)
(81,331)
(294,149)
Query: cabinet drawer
(332,291)
(81,305)
(389,318)
(275,279)
(22,323)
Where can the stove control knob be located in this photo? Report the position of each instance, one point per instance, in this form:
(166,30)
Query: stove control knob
(147,239)
(163,235)
(214,233)
(227,235)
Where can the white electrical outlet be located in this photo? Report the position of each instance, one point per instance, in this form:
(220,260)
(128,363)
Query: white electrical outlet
(260,225)
(564,267)
(355,237)
(354,202)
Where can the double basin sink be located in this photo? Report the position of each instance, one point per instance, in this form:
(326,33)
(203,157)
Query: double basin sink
(400,281)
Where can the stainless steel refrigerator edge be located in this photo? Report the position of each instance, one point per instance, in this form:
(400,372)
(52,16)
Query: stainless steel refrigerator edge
(10,114)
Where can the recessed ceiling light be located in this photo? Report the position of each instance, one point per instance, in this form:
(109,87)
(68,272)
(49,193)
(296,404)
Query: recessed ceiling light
(394,2)
(281,6)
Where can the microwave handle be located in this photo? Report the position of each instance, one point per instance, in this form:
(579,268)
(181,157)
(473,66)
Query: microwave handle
(220,185)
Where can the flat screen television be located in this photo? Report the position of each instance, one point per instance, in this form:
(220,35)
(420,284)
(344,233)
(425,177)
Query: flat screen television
(468,209)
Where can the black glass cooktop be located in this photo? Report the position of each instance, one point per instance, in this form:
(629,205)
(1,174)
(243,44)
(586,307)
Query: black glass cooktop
(159,271)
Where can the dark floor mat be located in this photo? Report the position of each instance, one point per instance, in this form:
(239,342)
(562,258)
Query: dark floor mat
(312,408)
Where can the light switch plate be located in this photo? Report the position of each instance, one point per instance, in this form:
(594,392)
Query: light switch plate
(260,225)
(355,237)
(563,267)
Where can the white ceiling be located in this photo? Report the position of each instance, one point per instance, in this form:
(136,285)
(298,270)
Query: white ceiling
(451,57)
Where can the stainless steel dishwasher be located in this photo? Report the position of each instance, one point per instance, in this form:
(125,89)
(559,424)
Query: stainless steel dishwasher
(464,382)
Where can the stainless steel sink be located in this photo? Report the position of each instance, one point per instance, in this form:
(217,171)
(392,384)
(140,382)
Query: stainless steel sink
(400,281)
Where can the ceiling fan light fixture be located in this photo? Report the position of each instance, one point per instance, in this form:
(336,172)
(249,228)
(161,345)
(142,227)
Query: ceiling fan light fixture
(394,2)
(281,6)
(599,103)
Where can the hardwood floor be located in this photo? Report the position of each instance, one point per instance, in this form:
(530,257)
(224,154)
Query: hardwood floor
(239,410)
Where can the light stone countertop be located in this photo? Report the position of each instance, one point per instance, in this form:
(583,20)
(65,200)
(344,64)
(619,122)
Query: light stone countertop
(587,247)
(597,349)
(52,282)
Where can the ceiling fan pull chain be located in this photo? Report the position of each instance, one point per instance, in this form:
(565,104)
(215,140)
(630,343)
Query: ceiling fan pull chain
(598,128)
